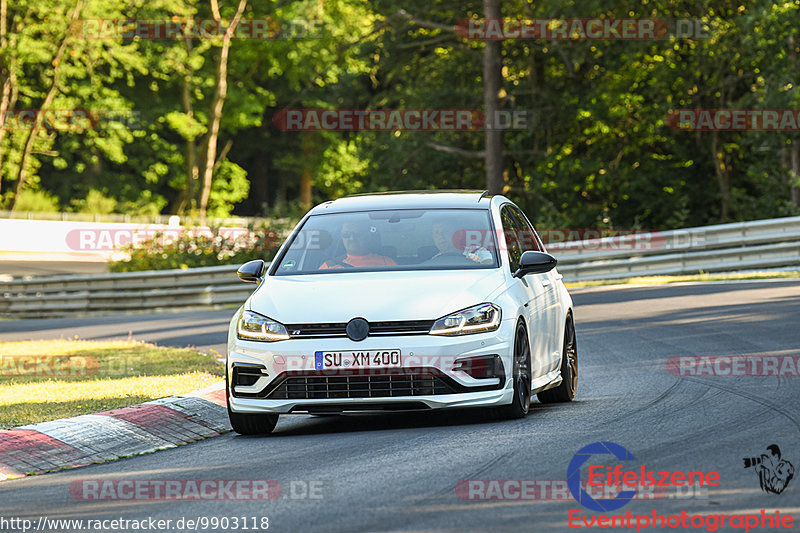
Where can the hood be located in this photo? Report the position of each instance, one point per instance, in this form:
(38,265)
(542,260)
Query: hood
(375,296)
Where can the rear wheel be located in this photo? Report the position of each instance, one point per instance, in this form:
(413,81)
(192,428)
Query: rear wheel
(569,369)
(519,406)
(249,423)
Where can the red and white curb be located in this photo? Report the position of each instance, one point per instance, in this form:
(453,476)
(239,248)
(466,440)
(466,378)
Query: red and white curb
(87,439)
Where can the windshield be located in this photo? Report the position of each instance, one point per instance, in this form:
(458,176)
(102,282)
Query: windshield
(418,239)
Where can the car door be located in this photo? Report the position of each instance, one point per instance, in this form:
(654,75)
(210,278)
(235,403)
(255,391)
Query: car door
(528,290)
(550,318)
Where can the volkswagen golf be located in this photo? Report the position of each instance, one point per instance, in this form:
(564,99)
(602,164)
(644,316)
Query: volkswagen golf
(401,302)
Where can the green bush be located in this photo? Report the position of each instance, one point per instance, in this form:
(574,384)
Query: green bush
(95,203)
(198,248)
(36,201)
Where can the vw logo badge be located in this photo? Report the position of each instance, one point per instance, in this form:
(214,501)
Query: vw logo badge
(357,329)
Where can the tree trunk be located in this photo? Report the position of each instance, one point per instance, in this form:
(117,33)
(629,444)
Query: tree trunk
(305,189)
(51,94)
(220,93)
(723,177)
(8,98)
(492,82)
(5,101)
(794,182)
(280,193)
(8,102)
(258,175)
(305,176)
(192,170)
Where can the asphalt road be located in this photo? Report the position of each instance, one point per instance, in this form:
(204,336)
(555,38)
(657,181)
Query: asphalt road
(399,472)
(49,268)
(205,330)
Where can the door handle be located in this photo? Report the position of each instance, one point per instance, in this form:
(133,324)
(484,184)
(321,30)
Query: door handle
(545,282)
(559,276)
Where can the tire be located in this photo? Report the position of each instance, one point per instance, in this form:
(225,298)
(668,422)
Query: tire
(519,406)
(247,423)
(569,369)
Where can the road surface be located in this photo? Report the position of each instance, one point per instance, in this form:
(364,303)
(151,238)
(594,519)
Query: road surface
(400,472)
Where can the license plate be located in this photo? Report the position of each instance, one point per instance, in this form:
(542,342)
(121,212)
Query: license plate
(357,359)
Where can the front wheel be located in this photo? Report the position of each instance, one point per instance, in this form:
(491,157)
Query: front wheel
(249,423)
(569,369)
(519,406)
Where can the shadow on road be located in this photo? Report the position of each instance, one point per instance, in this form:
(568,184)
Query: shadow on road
(296,425)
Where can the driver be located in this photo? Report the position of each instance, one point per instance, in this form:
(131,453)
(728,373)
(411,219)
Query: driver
(356,237)
(444,232)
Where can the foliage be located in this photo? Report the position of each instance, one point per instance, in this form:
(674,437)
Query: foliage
(598,151)
(197,248)
(96,203)
(37,202)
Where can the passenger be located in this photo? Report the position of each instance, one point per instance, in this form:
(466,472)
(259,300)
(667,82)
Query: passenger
(444,232)
(356,240)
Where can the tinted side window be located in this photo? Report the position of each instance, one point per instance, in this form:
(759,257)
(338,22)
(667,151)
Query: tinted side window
(528,239)
(511,231)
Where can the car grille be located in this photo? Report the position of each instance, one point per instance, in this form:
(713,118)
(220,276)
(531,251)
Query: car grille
(318,386)
(338,329)
(334,408)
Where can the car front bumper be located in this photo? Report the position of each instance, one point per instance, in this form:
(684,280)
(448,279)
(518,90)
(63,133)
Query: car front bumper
(427,353)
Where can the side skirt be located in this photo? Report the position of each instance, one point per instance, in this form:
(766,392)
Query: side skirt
(548,381)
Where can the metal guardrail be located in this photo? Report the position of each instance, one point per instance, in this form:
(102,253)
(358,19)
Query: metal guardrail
(728,260)
(127,291)
(721,248)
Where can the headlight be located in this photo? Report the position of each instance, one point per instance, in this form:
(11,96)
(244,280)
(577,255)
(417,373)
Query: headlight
(254,327)
(477,319)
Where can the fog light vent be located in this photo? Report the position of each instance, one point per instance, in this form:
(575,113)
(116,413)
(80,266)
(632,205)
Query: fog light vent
(481,366)
(246,375)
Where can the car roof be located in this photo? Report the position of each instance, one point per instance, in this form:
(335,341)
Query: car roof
(407,200)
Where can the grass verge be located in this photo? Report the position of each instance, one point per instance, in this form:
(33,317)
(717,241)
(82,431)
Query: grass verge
(659,280)
(46,380)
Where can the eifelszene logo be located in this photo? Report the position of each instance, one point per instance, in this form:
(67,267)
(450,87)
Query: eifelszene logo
(774,473)
(574,476)
(613,479)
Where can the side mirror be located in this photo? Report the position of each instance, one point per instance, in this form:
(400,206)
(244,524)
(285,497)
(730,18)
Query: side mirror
(535,263)
(252,271)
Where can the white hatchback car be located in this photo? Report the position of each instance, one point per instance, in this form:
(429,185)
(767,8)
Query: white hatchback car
(402,301)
